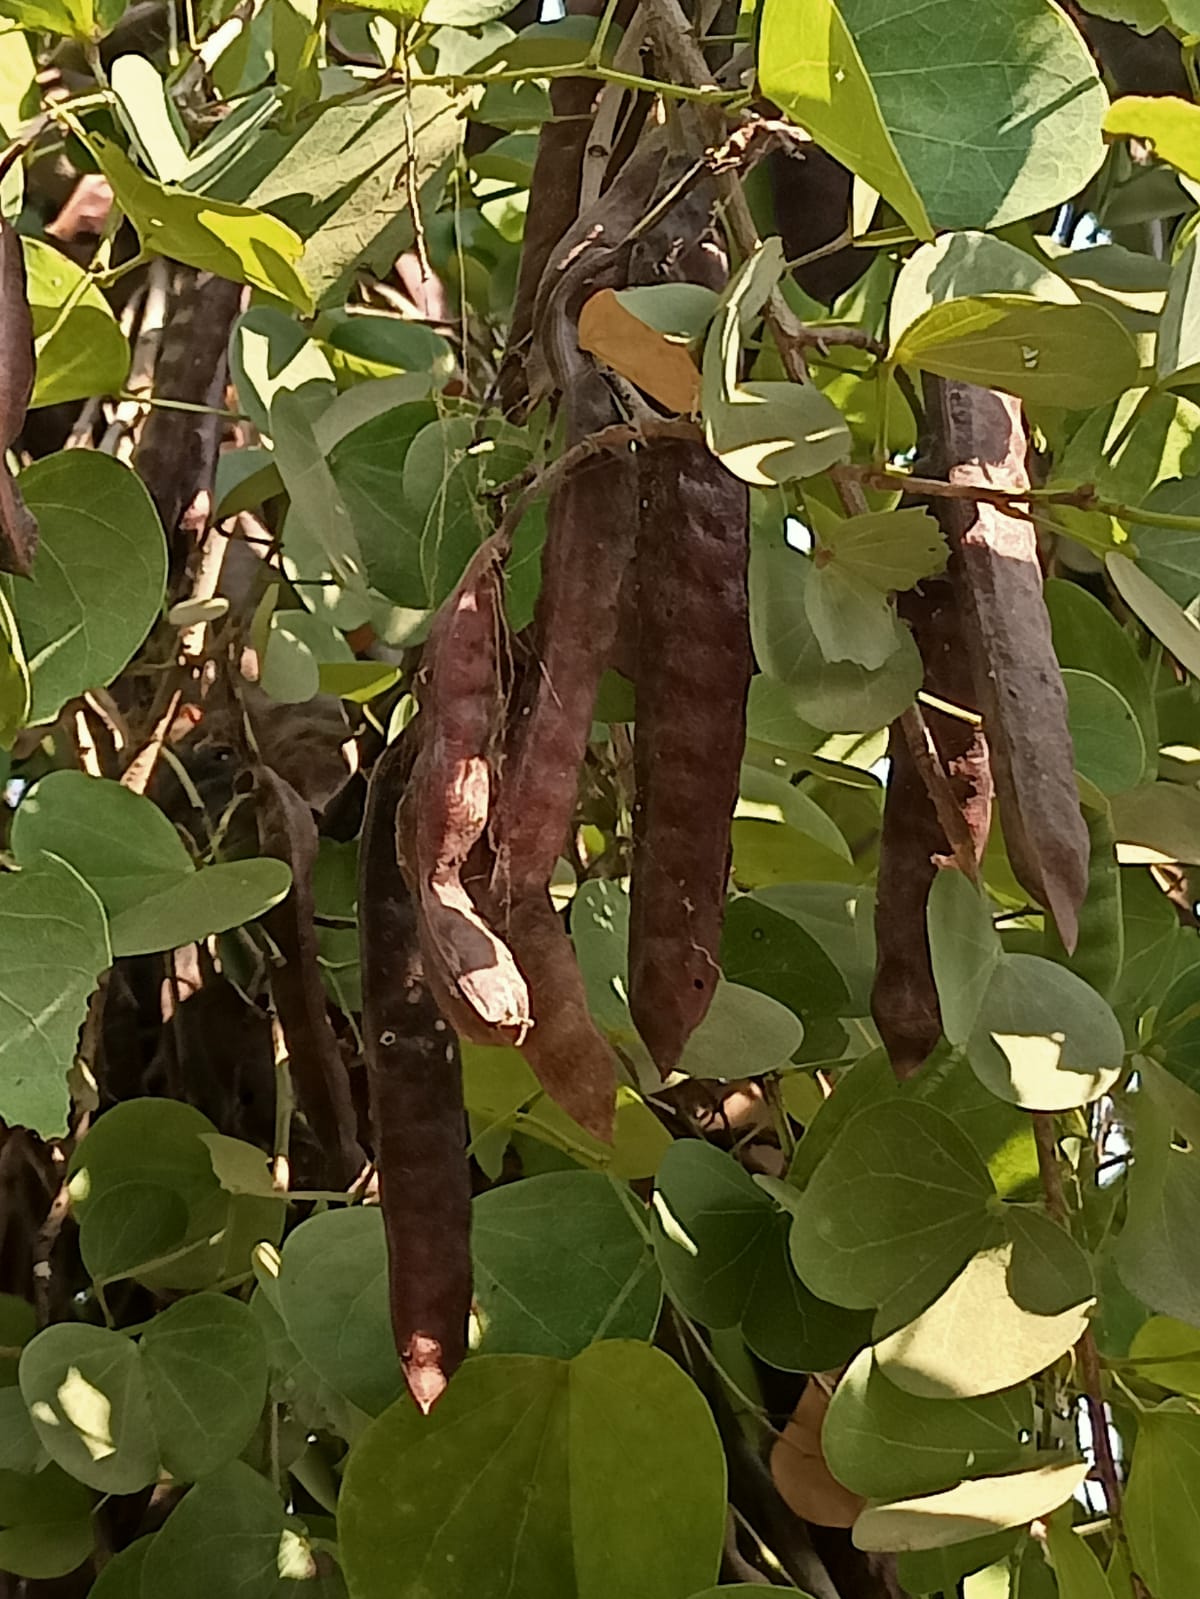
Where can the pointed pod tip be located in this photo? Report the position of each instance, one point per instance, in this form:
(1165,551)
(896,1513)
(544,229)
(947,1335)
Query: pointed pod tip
(424,1372)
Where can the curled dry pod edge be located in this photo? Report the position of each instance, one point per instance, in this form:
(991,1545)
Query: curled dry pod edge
(452,788)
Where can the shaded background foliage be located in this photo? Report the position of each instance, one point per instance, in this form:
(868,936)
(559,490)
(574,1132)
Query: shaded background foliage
(597,693)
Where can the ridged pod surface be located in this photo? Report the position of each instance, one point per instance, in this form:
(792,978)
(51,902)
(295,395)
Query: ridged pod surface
(415,1078)
(694,665)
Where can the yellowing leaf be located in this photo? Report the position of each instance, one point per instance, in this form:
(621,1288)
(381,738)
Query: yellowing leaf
(231,241)
(1170,125)
(988,1504)
(663,369)
(1073,356)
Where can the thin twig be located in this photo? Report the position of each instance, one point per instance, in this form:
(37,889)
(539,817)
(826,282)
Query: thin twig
(530,486)
(1046,1138)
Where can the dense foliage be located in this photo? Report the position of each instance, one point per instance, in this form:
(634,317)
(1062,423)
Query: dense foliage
(599,660)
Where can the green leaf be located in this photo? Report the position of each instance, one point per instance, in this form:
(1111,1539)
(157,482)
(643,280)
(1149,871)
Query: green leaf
(368,469)
(1110,751)
(1015,1307)
(229,1535)
(1080,1575)
(448,474)
(53,947)
(764,950)
(1171,1352)
(130,1225)
(79,345)
(959,265)
(840,696)
(809,64)
(1043,1038)
(87,1396)
(1178,346)
(1071,356)
(1162,1499)
(503,1095)
(15,688)
(159,1142)
(71,18)
(850,619)
(299,646)
(318,536)
(333,1264)
(1157,1244)
(148,117)
(722,1245)
(971,1510)
(1088,638)
(899,1203)
(98,580)
(770,797)
(122,1575)
(269,354)
(840,918)
(965,951)
(559,1264)
(45,1524)
(882,1442)
(680,310)
(343,181)
(744,1034)
(232,241)
(886,104)
(205,1366)
(193,908)
(890,550)
(1161,818)
(118,841)
(764,432)
(519,1483)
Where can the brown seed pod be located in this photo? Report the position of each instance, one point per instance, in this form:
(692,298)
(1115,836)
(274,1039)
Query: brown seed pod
(904,1001)
(591,521)
(1017,676)
(694,665)
(452,787)
(417,1109)
(287,831)
(569,1056)
(18,527)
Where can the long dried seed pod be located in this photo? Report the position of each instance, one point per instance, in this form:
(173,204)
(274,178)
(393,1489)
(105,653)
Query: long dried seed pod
(694,665)
(1007,628)
(18,526)
(287,831)
(904,1001)
(452,787)
(591,522)
(415,1080)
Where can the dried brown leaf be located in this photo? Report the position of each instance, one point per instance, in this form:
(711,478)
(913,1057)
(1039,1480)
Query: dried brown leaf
(660,367)
(805,1482)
